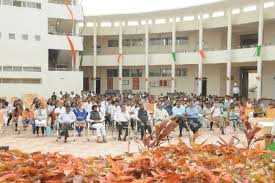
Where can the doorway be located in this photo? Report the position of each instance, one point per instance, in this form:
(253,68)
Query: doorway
(135,83)
(204,86)
(97,85)
(273,87)
(248,82)
(86,84)
(110,83)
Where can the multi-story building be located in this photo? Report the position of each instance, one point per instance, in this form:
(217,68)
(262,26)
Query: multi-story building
(36,56)
(203,49)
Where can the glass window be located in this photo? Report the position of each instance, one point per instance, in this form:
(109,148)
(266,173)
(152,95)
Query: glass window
(17,69)
(181,72)
(17,3)
(136,73)
(25,37)
(11,36)
(155,41)
(126,42)
(154,72)
(182,40)
(165,72)
(112,43)
(37,38)
(0,35)
(7,68)
(112,73)
(38,5)
(167,41)
(7,2)
(36,69)
(126,72)
(31,81)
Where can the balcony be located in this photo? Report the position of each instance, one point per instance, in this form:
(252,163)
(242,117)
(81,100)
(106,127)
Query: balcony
(212,57)
(60,42)
(56,10)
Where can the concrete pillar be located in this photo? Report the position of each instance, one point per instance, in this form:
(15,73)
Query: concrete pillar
(146,57)
(260,43)
(173,51)
(229,48)
(121,58)
(95,57)
(201,59)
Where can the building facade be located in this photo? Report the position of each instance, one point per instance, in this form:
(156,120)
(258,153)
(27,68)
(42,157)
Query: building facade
(35,52)
(203,49)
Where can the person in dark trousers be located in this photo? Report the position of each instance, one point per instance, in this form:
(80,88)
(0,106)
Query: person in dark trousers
(143,118)
(179,112)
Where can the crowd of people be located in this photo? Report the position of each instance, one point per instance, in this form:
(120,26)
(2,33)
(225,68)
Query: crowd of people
(130,112)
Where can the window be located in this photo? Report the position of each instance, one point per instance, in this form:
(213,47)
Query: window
(38,5)
(154,72)
(163,83)
(112,73)
(133,23)
(7,2)
(37,38)
(11,36)
(181,72)
(181,40)
(155,41)
(112,43)
(126,72)
(165,72)
(7,68)
(167,41)
(0,35)
(17,69)
(236,11)
(21,80)
(125,82)
(127,42)
(136,73)
(31,69)
(25,37)
(17,3)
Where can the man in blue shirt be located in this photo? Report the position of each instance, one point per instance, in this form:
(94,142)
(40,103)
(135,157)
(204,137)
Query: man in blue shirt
(179,112)
(192,116)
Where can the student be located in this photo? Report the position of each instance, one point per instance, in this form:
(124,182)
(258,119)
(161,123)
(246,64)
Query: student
(81,116)
(28,118)
(217,116)
(66,119)
(192,113)
(40,115)
(143,119)
(179,112)
(16,115)
(122,118)
(96,119)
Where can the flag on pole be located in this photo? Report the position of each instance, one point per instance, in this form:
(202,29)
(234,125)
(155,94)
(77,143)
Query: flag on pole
(72,48)
(174,56)
(258,51)
(202,54)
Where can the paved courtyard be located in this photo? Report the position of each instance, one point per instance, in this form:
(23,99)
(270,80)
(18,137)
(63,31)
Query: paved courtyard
(81,147)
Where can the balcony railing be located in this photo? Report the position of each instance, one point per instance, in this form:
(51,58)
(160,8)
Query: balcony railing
(73,2)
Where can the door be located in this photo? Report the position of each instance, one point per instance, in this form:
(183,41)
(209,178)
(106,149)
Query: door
(110,83)
(97,85)
(135,83)
(204,86)
(86,84)
(273,87)
(244,83)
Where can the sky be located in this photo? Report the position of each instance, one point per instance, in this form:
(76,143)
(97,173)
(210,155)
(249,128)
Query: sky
(108,7)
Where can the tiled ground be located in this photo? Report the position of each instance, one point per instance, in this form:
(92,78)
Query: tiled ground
(27,142)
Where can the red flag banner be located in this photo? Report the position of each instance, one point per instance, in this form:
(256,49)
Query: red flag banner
(67,3)
(202,54)
(72,48)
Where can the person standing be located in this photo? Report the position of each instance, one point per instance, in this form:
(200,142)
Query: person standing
(217,116)
(236,91)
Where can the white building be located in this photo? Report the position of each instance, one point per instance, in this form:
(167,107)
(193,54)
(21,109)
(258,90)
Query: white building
(134,51)
(228,32)
(35,54)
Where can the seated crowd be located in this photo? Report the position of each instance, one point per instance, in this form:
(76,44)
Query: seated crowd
(130,112)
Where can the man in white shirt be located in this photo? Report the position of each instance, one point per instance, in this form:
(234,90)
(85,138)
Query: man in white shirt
(160,113)
(236,91)
(217,116)
(114,109)
(131,109)
(66,119)
(122,118)
(88,105)
(59,110)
